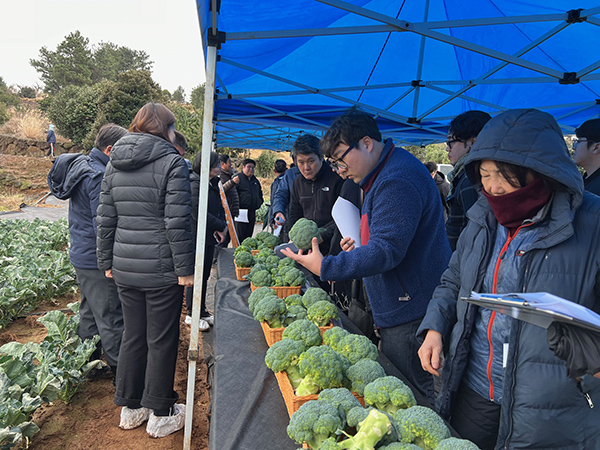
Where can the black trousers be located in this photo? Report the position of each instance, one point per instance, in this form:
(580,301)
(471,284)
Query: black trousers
(148,355)
(246,230)
(189,291)
(475,418)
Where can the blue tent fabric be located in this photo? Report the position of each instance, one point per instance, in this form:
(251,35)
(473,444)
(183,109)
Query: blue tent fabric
(289,67)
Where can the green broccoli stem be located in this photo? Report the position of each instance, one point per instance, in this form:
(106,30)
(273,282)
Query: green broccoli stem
(370,431)
(317,440)
(307,387)
(389,408)
(275,323)
(294,375)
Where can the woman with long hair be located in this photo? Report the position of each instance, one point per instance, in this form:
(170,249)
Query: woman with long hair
(145,244)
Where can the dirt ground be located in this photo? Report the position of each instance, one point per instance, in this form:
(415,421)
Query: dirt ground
(91,420)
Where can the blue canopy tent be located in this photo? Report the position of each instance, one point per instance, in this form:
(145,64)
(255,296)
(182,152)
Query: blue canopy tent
(278,68)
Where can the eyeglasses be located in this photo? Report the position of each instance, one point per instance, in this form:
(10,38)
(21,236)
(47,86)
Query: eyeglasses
(451,142)
(339,163)
(578,141)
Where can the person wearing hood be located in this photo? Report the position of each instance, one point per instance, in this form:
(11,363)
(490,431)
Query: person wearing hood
(462,134)
(533,229)
(145,244)
(51,140)
(78,177)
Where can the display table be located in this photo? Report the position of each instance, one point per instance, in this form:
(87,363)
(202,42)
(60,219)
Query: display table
(248,411)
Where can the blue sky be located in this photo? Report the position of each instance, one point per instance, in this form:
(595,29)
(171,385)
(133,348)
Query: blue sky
(167,30)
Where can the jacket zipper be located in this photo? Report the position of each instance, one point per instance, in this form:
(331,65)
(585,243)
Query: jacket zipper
(586,395)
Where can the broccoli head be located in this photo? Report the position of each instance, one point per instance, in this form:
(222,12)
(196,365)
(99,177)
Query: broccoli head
(293,313)
(262,236)
(257,267)
(244,259)
(389,394)
(272,260)
(362,373)
(314,423)
(258,295)
(334,336)
(250,243)
(283,356)
(400,446)
(262,278)
(321,368)
(294,299)
(287,262)
(357,415)
(270,309)
(303,330)
(421,426)
(241,248)
(323,312)
(340,398)
(313,295)
(302,233)
(356,347)
(293,277)
(266,252)
(453,443)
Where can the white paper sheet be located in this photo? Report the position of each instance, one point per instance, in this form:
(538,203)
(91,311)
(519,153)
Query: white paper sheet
(347,218)
(242,216)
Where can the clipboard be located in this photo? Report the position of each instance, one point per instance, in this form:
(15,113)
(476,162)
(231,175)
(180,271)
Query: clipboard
(538,308)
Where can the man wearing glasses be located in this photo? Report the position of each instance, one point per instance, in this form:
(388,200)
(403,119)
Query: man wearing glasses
(404,246)
(587,153)
(462,133)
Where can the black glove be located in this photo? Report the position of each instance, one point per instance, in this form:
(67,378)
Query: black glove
(579,347)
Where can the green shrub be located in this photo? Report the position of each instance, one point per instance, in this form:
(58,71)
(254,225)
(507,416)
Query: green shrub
(264,163)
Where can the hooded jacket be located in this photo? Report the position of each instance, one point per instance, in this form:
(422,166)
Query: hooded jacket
(144,232)
(78,177)
(541,407)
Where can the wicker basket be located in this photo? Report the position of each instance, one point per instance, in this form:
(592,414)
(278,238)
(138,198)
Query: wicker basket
(293,401)
(241,271)
(281,291)
(254,252)
(273,335)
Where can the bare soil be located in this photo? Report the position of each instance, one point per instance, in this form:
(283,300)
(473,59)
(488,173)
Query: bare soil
(91,420)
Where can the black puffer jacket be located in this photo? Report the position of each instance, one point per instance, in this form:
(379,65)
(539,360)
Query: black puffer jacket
(144,232)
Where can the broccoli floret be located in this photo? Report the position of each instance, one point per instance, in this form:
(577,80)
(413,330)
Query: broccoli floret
(314,423)
(293,313)
(273,260)
(250,243)
(330,444)
(262,235)
(400,446)
(375,427)
(294,299)
(334,336)
(293,277)
(389,394)
(270,309)
(303,330)
(262,278)
(340,398)
(244,259)
(302,233)
(313,295)
(241,248)
(271,241)
(356,347)
(362,373)
(323,312)
(453,443)
(283,356)
(265,253)
(421,426)
(287,262)
(258,295)
(357,415)
(257,267)
(321,368)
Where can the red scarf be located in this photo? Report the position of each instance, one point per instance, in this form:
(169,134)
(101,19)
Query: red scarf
(512,209)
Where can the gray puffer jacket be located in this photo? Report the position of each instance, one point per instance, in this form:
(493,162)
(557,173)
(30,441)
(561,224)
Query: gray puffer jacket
(144,231)
(541,408)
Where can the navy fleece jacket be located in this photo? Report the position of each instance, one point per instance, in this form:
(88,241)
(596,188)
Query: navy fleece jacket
(407,251)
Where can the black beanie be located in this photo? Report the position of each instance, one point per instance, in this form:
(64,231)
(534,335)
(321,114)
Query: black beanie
(590,129)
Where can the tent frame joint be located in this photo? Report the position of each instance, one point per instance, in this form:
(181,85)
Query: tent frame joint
(574,16)
(215,40)
(417,83)
(569,78)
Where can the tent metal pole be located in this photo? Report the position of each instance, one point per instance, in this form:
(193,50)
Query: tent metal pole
(420,65)
(207,132)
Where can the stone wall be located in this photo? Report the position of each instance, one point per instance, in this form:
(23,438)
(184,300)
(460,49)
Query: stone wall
(11,145)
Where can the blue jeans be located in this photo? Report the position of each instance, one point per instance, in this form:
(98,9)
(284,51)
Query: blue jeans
(400,345)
